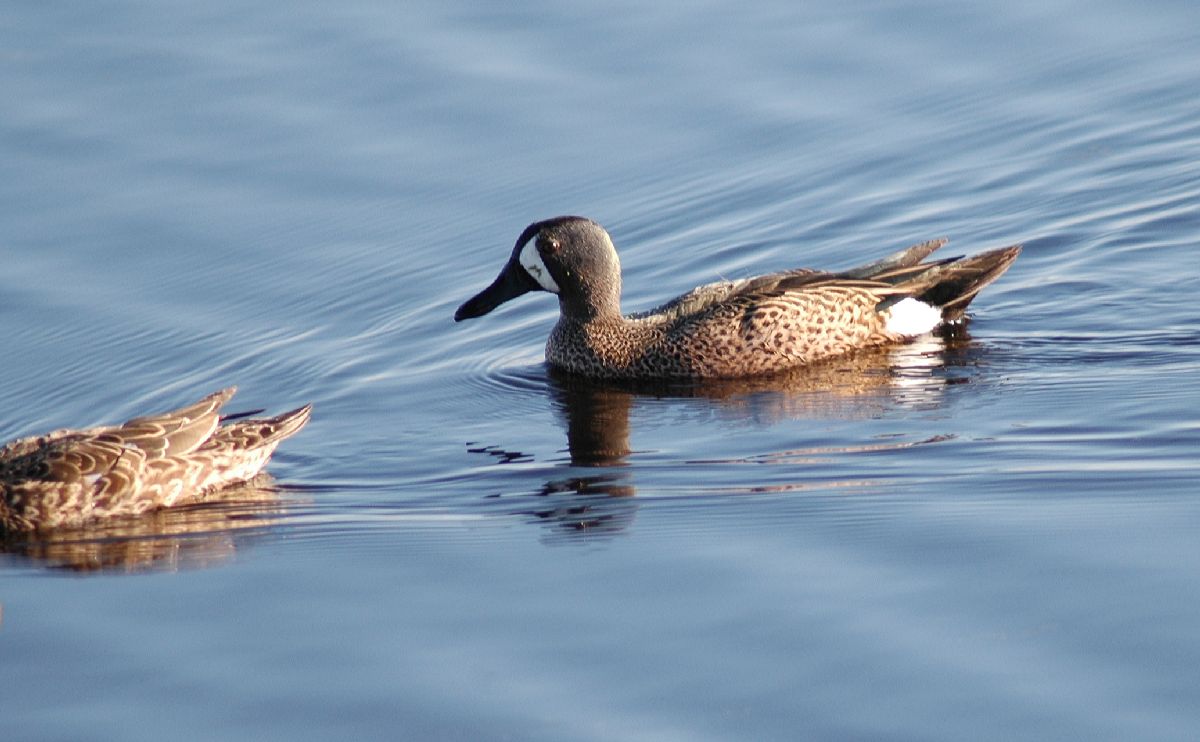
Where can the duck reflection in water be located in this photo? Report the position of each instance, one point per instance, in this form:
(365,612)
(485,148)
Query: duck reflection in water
(861,385)
(185,537)
(597,422)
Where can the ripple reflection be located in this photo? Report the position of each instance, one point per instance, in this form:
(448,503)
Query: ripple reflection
(596,494)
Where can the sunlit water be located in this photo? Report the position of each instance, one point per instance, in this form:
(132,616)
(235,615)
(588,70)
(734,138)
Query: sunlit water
(991,534)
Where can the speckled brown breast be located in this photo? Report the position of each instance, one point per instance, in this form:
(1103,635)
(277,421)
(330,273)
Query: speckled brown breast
(749,335)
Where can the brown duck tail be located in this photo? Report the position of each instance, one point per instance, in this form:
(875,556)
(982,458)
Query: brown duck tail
(909,258)
(952,285)
(177,432)
(287,424)
(251,434)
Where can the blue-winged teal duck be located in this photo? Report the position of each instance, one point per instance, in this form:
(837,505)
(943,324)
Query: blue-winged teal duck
(728,329)
(70,477)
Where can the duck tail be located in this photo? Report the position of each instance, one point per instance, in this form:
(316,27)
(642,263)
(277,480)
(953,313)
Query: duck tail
(951,285)
(897,265)
(254,433)
(285,425)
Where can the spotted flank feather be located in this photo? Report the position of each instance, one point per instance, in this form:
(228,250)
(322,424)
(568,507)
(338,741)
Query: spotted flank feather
(761,325)
(71,477)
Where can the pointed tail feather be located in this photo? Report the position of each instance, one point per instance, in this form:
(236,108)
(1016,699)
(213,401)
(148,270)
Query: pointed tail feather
(908,258)
(205,406)
(952,286)
(177,432)
(252,433)
(289,423)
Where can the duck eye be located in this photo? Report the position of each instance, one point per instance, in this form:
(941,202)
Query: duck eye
(549,245)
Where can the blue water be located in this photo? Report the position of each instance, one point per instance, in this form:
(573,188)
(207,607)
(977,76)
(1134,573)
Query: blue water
(992,535)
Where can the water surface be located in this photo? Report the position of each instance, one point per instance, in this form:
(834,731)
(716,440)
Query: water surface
(989,534)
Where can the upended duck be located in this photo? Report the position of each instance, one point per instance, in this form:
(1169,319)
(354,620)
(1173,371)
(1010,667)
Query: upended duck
(745,327)
(72,477)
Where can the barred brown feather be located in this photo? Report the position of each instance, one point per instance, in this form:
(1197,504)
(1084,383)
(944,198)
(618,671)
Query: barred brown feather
(70,477)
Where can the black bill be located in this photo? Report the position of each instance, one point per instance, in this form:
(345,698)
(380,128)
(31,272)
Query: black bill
(511,283)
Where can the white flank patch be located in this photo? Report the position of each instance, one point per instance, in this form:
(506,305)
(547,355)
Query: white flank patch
(531,261)
(910,317)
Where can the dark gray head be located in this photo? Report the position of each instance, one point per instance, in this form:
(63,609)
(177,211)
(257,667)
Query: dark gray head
(570,256)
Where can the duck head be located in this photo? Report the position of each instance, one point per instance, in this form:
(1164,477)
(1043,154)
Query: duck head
(569,256)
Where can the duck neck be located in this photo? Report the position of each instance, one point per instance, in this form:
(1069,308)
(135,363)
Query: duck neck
(594,303)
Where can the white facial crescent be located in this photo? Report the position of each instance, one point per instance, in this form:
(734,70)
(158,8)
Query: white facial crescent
(531,261)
